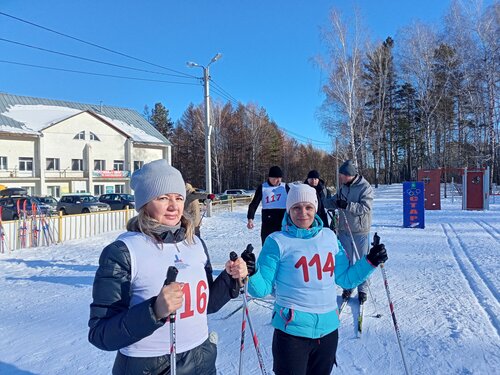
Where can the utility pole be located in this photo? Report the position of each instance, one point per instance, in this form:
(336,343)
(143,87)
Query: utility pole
(208,127)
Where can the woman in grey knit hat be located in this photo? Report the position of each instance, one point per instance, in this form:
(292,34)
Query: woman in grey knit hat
(130,301)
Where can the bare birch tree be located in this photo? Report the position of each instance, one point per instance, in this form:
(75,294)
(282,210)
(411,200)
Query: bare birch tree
(343,64)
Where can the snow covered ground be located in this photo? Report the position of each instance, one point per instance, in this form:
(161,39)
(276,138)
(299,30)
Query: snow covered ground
(443,280)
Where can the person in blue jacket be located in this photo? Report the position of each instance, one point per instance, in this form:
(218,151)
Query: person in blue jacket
(304,261)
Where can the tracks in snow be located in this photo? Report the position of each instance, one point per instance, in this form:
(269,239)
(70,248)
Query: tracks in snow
(492,231)
(482,288)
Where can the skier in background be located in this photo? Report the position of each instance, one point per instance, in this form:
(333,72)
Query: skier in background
(192,206)
(318,184)
(272,193)
(304,261)
(354,200)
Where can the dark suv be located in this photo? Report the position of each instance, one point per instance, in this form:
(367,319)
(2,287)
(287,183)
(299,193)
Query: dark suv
(118,201)
(80,204)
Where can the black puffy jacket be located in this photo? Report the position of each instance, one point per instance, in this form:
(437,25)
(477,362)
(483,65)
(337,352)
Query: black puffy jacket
(113,324)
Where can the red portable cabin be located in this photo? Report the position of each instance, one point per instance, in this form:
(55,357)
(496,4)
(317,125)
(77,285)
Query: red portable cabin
(475,189)
(432,187)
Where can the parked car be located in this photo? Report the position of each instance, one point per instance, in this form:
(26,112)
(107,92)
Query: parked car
(238,193)
(46,203)
(235,193)
(118,201)
(79,203)
(10,207)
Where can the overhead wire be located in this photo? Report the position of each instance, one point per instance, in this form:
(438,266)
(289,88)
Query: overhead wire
(90,60)
(94,44)
(216,88)
(94,74)
(224,94)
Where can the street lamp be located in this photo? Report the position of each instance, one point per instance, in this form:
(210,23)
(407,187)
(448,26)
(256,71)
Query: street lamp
(208,127)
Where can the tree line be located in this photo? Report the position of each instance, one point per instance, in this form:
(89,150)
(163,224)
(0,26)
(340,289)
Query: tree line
(427,98)
(245,144)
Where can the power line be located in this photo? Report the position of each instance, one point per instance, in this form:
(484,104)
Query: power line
(223,93)
(88,59)
(220,87)
(94,74)
(94,45)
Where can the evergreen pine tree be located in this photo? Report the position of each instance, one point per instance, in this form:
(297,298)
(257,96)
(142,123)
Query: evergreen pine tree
(161,120)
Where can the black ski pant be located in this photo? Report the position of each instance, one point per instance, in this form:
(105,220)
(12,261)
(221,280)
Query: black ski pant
(294,355)
(271,222)
(197,361)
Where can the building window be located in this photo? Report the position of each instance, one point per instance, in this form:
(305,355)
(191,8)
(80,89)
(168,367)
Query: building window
(99,165)
(77,164)
(120,189)
(52,164)
(93,137)
(29,189)
(98,190)
(3,163)
(25,164)
(54,191)
(138,164)
(118,165)
(80,135)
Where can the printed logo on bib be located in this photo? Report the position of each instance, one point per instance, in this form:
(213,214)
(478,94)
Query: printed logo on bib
(179,263)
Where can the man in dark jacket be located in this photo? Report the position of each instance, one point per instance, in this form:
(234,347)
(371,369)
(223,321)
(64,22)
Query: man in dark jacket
(273,194)
(354,200)
(318,184)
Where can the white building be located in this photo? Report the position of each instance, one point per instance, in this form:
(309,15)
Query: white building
(52,147)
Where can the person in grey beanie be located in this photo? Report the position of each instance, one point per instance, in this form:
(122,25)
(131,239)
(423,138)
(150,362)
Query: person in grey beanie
(130,302)
(354,200)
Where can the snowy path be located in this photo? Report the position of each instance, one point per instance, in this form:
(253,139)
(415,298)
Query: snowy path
(444,284)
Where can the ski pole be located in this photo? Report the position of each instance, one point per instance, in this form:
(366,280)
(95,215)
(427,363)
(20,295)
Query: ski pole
(233,256)
(376,241)
(171,276)
(377,315)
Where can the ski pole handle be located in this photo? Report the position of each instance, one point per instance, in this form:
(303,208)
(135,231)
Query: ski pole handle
(232,257)
(171,276)
(249,248)
(376,239)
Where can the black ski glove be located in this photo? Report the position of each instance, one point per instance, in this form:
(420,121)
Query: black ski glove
(377,255)
(341,204)
(249,259)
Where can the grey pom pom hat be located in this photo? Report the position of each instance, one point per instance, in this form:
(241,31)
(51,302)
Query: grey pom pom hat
(154,179)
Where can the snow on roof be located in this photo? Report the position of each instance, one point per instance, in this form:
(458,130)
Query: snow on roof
(138,135)
(38,117)
(30,115)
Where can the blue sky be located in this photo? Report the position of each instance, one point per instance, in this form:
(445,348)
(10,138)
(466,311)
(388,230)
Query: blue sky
(267,49)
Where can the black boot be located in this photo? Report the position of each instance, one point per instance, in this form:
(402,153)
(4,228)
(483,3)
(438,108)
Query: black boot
(362,297)
(346,293)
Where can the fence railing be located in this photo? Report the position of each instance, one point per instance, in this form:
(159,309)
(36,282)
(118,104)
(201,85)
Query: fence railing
(45,230)
(48,230)
(230,203)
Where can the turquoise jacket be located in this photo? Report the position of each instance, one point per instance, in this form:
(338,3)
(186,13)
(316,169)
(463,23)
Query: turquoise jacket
(292,321)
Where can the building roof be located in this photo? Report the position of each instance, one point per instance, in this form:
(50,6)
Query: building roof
(29,115)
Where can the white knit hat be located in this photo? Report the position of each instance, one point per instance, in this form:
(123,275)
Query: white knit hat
(154,179)
(301,193)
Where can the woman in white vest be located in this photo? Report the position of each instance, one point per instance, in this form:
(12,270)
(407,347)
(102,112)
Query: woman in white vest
(130,303)
(304,261)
